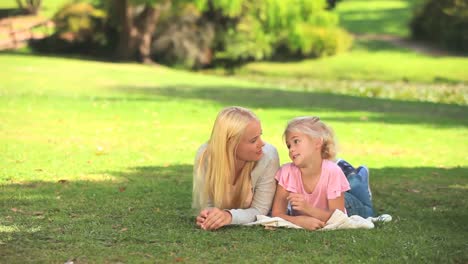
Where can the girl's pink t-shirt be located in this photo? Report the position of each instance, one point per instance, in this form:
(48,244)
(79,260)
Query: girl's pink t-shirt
(331,185)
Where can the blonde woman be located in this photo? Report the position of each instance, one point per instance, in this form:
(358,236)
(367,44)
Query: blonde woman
(234,172)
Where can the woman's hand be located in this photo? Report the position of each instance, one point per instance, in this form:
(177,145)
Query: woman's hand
(202,217)
(213,218)
(299,203)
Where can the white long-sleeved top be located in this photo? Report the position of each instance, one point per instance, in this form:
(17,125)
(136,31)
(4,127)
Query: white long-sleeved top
(263,186)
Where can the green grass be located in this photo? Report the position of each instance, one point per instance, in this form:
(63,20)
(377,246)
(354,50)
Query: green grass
(376,61)
(363,63)
(97,159)
(376,16)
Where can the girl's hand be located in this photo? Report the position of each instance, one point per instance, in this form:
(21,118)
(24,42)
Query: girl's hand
(298,202)
(309,223)
(216,218)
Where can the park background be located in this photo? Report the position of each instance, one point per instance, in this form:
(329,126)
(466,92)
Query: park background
(96,152)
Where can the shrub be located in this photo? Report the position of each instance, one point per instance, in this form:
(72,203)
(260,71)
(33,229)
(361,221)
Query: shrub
(79,28)
(247,41)
(184,39)
(80,22)
(278,29)
(313,41)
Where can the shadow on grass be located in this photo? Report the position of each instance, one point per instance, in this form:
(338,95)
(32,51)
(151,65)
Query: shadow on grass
(379,45)
(385,110)
(388,21)
(75,56)
(148,211)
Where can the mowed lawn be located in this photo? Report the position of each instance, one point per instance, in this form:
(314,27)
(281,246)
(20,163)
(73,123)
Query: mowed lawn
(381,52)
(96,166)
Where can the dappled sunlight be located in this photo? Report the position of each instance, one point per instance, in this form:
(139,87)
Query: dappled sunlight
(8,229)
(378,17)
(459,186)
(16,229)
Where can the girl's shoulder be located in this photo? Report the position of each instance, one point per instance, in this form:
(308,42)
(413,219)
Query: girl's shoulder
(287,170)
(330,166)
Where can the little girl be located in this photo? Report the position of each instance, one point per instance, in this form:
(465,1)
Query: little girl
(312,185)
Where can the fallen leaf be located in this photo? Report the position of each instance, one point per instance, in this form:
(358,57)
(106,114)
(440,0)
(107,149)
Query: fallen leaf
(16,210)
(37,213)
(100,150)
(62,181)
(123,229)
(414,191)
(179,259)
(122,189)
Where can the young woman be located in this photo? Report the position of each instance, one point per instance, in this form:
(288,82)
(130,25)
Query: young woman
(234,172)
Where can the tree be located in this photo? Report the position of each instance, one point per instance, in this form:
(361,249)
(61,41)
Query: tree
(137,21)
(30,6)
(257,29)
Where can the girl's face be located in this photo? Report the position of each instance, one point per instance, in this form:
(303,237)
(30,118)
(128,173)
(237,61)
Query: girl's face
(302,148)
(250,145)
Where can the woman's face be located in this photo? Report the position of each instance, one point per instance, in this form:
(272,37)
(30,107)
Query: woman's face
(250,145)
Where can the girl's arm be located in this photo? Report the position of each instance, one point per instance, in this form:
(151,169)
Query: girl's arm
(280,209)
(299,203)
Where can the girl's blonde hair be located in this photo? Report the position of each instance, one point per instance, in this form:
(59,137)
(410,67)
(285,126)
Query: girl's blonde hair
(315,128)
(214,169)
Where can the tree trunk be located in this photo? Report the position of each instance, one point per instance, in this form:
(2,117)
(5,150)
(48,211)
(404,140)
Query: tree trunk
(148,20)
(126,46)
(31,7)
(136,31)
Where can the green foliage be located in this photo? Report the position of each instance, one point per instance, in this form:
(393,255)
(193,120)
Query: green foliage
(80,22)
(264,29)
(247,41)
(183,38)
(313,41)
(444,22)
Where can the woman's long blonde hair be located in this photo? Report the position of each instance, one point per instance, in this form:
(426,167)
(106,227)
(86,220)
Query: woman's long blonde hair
(315,128)
(214,169)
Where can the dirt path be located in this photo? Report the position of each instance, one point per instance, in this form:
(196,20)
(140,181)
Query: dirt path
(16,31)
(421,47)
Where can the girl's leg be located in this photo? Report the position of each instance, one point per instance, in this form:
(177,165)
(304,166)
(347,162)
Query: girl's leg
(358,198)
(360,186)
(355,207)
